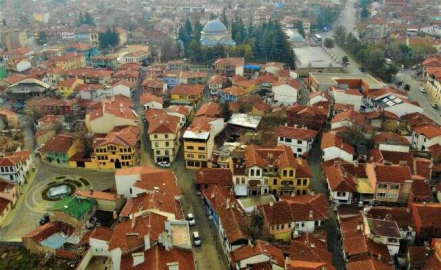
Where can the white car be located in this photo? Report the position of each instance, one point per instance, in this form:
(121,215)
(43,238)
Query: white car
(190,219)
(422,90)
(164,164)
(196,239)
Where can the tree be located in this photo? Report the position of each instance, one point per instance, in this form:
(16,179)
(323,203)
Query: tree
(88,19)
(340,34)
(42,38)
(345,60)
(188,27)
(255,228)
(86,139)
(406,87)
(329,43)
(300,29)
(226,111)
(364,14)
(195,52)
(169,49)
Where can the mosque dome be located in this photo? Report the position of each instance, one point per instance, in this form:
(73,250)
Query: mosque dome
(214,27)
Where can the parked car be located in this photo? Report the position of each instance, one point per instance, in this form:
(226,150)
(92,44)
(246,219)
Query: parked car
(422,89)
(45,219)
(164,164)
(434,105)
(196,239)
(190,219)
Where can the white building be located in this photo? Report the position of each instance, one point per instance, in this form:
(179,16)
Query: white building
(14,168)
(286,91)
(123,88)
(424,136)
(300,140)
(348,96)
(333,147)
(150,101)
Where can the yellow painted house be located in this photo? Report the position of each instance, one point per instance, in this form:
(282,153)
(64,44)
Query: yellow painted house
(276,171)
(60,149)
(199,141)
(70,61)
(67,87)
(303,214)
(187,94)
(118,149)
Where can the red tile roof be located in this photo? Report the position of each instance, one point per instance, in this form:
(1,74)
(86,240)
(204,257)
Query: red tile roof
(146,98)
(188,89)
(307,252)
(98,195)
(67,57)
(158,258)
(215,176)
(280,157)
(102,233)
(296,133)
(231,216)
(210,109)
(59,144)
(367,263)
(430,131)
(160,122)
(391,138)
(129,235)
(155,202)
(125,136)
(233,91)
(339,179)
(389,173)
(331,140)
(259,248)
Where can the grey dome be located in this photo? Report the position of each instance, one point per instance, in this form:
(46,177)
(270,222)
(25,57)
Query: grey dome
(214,27)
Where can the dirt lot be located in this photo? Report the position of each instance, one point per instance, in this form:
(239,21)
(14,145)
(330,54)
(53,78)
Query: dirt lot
(18,258)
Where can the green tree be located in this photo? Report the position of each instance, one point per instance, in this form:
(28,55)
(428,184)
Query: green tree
(345,60)
(329,43)
(226,111)
(188,28)
(300,29)
(340,34)
(42,38)
(88,19)
(195,52)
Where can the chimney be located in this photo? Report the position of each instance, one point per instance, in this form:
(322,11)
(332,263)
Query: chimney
(228,203)
(311,214)
(115,215)
(271,203)
(138,258)
(133,221)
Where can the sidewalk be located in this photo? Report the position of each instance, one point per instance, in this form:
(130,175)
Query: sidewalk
(23,192)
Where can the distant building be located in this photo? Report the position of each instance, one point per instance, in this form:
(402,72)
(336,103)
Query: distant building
(216,33)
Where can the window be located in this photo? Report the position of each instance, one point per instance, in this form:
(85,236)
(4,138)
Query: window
(167,152)
(257,172)
(299,182)
(166,136)
(201,148)
(381,195)
(281,139)
(237,180)
(299,142)
(288,140)
(243,180)
(167,144)
(392,195)
(394,186)
(382,186)
(155,136)
(305,182)
(158,152)
(252,172)
(201,156)
(156,144)
(275,181)
(285,173)
(190,147)
(299,150)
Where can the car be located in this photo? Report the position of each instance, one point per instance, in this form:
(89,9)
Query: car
(196,239)
(434,105)
(45,219)
(164,164)
(422,89)
(190,219)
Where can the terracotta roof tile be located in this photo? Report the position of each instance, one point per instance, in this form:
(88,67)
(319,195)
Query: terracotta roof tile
(330,140)
(296,133)
(215,176)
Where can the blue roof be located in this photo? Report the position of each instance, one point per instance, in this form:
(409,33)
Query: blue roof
(214,27)
(252,67)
